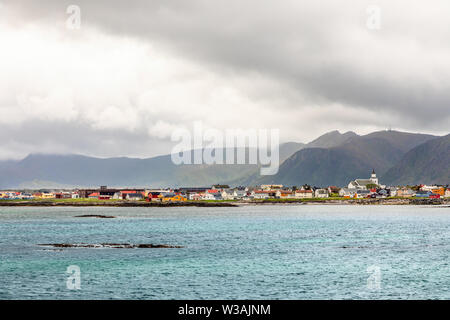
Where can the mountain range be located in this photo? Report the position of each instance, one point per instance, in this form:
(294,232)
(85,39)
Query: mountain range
(355,157)
(332,159)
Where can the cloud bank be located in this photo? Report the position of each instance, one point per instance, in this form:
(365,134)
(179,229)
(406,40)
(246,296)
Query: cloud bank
(134,72)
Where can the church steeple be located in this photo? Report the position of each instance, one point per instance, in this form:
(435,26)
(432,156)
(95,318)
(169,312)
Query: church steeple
(373,177)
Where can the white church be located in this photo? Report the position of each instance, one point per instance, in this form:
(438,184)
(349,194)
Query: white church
(362,183)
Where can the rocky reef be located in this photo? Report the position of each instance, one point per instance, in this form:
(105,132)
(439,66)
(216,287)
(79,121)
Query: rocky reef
(108,245)
(94,216)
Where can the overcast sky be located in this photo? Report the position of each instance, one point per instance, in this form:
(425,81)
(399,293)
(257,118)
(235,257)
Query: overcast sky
(136,70)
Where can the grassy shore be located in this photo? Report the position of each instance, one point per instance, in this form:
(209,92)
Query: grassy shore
(82,202)
(222,203)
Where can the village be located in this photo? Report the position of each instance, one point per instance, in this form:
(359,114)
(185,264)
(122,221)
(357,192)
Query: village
(356,189)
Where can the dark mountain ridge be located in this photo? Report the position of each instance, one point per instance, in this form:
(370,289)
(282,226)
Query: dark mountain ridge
(397,157)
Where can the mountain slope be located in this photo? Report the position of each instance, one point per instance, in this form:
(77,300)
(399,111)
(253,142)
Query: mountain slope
(354,158)
(317,166)
(84,171)
(404,141)
(428,163)
(289,148)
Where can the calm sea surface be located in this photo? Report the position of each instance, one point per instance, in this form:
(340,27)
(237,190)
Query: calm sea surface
(251,252)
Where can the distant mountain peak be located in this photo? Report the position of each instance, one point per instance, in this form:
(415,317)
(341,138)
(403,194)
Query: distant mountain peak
(331,139)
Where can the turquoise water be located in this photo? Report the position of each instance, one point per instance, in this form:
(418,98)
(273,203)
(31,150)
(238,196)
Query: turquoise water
(251,252)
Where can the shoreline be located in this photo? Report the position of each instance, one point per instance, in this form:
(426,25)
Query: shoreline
(78,203)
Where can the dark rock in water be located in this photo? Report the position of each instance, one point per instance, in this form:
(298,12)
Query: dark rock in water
(156,246)
(354,247)
(108,245)
(94,216)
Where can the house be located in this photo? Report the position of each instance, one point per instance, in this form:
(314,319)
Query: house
(124,193)
(392,192)
(266,187)
(260,194)
(134,196)
(347,193)
(405,192)
(362,193)
(37,195)
(45,195)
(117,195)
(363,183)
(285,194)
(241,194)
(207,196)
(26,196)
(228,194)
(427,188)
(304,194)
(63,195)
(173,197)
(154,196)
(333,190)
(195,196)
(439,190)
(423,194)
(427,194)
(213,194)
(382,193)
(94,195)
(321,193)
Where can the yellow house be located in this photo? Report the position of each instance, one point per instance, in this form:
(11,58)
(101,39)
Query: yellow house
(47,196)
(173,198)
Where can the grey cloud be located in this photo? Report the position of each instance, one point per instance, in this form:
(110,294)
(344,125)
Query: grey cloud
(77,138)
(320,52)
(311,47)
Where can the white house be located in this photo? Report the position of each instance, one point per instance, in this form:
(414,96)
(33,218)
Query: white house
(271,186)
(321,193)
(241,194)
(428,188)
(393,192)
(259,194)
(228,194)
(447,193)
(134,196)
(347,192)
(302,194)
(207,196)
(361,193)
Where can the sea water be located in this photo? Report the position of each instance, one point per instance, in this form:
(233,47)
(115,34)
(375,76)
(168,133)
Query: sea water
(247,252)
